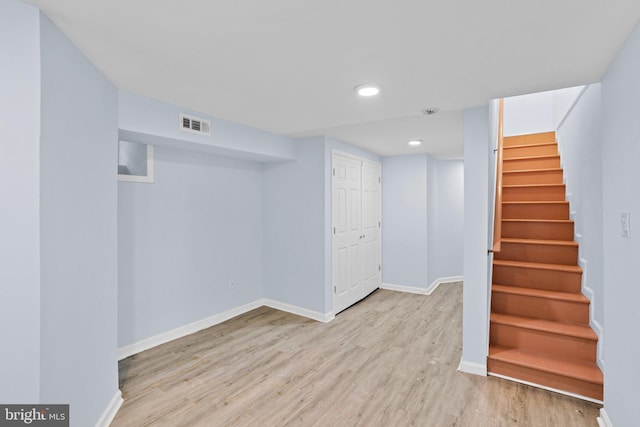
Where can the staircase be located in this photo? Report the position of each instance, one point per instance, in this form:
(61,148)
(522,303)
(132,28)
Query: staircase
(539,329)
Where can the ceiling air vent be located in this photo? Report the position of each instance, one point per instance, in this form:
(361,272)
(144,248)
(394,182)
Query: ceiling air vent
(195,124)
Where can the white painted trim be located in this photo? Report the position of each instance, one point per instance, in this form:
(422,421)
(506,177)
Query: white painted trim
(199,325)
(111,410)
(185,330)
(432,287)
(418,290)
(555,390)
(603,419)
(595,325)
(315,315)
(402,288)
(472,368)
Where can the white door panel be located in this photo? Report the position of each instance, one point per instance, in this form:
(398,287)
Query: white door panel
(371,182)
(356,233)
(347,206)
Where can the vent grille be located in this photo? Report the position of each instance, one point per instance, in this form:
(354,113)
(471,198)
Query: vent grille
(195,125)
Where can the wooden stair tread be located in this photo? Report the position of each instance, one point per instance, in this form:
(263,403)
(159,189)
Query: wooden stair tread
(584,371)
(534,170)
(542,325)
(539,144)
(536,202)
(538,220)
(534,138)
(540,293)
(533,186)
(544,156)
(540,242)
(538,266)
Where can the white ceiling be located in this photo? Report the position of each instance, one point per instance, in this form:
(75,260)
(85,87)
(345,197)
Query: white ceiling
(289,66)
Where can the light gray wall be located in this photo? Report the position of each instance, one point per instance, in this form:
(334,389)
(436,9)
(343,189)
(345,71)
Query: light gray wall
(432,220)
(78,230)
(19,215)
(531,113)
(297,224)
(423,217)
(404,218)
(476,212)
(294,228)
(446,209)
(182,240)
(579,140)
(621,175)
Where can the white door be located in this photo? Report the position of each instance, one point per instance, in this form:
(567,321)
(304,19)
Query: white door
(356,229)
(372,273)
(347,233)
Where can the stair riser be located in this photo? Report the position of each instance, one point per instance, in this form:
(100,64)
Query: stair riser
(545,254)
(536,211)
(539,138)
(533,177)
(555,345)
(540,308)
(532,163)
(527,151)
(571,385)
(554,193)
(538,230)
(551,280)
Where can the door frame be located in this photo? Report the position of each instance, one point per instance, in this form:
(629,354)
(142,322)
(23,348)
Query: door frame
(335,152)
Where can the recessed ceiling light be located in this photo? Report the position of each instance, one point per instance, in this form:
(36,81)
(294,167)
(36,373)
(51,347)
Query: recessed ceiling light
(367,90)
(415,142)
(430,111)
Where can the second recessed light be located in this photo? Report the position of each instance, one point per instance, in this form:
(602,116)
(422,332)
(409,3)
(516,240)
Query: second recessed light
(415,142)
(367,90)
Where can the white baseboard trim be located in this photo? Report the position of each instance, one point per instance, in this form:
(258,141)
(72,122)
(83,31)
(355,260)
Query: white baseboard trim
(110,411)
(185,330)
(472,368)
(182,331)
(421,291)
(603,419)
(544,387)
(402,288)
(315,315)
(441,280)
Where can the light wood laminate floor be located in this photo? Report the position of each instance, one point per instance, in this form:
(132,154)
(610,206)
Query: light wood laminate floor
(390,360)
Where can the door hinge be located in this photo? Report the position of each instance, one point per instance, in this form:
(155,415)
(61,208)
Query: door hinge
(334,230)
(334,171)
(379,267)
(379,179)
(379,225)
(334,290)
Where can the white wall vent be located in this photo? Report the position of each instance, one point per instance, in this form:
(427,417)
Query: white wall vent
(195,124)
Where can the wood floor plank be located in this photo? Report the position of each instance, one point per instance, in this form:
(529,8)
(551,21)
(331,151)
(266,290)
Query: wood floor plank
(390,360)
